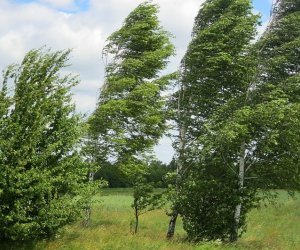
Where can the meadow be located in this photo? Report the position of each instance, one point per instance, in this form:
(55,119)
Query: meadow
(275,226)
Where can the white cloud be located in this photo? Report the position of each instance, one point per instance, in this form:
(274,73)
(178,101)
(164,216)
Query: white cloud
(12,46)
(27,26)
(84,102)
(164,150)
(33,25)
(59,3)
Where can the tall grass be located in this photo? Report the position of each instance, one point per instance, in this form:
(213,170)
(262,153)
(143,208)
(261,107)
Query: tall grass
(270,227)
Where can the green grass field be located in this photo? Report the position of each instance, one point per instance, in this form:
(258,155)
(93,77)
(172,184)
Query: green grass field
(271,227)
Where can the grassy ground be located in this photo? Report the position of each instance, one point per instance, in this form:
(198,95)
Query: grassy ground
(271,227)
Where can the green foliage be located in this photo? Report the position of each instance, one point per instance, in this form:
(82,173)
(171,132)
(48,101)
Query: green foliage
(86,199)
(41,169)
(130,117)
(276,112)
(144,200)
(269,227)
(215,66)
(157,173)
(248,137)
(114,175)
(209,196)
(215,73)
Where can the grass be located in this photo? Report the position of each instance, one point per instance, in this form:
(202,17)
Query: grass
(271,227)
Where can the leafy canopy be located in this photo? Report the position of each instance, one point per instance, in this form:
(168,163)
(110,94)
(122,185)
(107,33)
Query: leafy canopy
(41,168)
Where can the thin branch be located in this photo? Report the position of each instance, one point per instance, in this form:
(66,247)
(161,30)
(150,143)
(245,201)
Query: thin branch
(228,165)
(250,165)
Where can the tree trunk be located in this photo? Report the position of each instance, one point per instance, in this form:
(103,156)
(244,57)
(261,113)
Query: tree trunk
(88,210)
(87,215)
(179,163)
(172,224)
(238,208)
(136,220)
(174,214)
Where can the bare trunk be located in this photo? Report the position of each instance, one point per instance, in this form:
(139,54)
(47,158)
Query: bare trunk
(174,214)
(238,208)
(179,163)
(172,225)
(136,221)
(87,215)
(88,210)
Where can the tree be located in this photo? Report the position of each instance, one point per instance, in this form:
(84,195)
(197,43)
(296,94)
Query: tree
(268,120)
(157,173)
(250,144)
(41,169)
(144,200)
(278,85)
(114,175)
(130,116)
(213,71)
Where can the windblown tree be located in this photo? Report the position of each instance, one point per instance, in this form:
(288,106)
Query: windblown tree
(265,127)
(41,170)
(214,70)
(250,143)
(130,117)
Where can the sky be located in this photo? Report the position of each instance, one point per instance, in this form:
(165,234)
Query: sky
(83,25)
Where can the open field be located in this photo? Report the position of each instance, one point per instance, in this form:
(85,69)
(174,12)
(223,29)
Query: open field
(271,227)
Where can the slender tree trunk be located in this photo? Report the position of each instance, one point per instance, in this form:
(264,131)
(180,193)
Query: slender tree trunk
(172,224)
(180,162)
(87,215)
(88,210)
(136,220)
(238,208)
(174,214)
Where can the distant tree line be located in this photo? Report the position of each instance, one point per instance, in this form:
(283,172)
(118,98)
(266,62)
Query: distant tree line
(156,174)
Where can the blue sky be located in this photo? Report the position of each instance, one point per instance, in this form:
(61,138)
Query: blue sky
(264,6)
(78,5)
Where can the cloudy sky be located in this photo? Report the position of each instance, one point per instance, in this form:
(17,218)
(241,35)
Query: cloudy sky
(83,25)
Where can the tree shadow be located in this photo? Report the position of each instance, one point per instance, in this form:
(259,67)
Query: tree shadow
(18,245)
